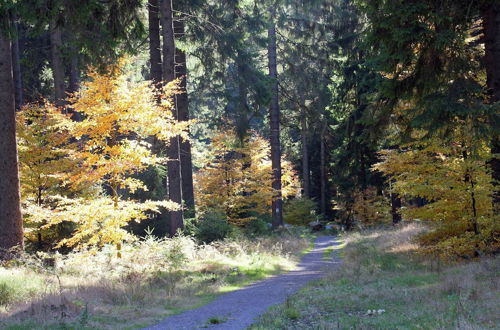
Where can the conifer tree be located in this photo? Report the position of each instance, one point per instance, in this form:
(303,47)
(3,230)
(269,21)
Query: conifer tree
(11,233)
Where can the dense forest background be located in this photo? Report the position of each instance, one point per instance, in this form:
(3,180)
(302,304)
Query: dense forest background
(137,117)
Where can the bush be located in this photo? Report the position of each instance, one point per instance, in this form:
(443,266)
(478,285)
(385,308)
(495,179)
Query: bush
(257,227)
(299,211)
(212,227)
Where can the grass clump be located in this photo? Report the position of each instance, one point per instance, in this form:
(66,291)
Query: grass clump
(153,279)
(384,283)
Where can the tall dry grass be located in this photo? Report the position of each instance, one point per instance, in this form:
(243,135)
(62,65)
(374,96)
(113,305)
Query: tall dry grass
(154,278)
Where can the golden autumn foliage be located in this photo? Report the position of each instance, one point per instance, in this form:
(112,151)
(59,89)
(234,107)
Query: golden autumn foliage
(101,152)
(45,161)
(371,208)
(455,182)
(237,175)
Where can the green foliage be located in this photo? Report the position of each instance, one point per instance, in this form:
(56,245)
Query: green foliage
(212,227)
(257,227)
(299,211)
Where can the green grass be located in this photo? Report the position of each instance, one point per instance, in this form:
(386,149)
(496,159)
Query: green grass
(142,287)
(381,271)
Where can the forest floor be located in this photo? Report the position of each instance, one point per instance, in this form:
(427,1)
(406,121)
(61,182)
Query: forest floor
(238,309)
(154,279)
(384,283)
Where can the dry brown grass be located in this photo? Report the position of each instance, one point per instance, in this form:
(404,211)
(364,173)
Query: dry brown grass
(382,270)
(154,278)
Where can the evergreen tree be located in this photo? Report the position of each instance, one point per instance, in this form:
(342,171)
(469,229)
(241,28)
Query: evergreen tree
(11,234)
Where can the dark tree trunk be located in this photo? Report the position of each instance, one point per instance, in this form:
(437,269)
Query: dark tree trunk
(182,104)
(274,114)
(491,21)
(74,83)
(74,74)
(323,172)
(11,225)
(154,41)
(395,208)
(305,156)
(57,62)
(16,65)
(174,166)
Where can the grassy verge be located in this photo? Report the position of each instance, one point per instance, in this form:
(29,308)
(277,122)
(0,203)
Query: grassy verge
(384,284)
(154,279)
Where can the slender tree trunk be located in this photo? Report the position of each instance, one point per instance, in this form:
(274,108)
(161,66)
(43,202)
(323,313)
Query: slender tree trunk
(305,156)
(74,83)
(491,21)
(154,41)
(174,166)
(323,172)
(74,74)
(182,103)
(16,65)
(11,225)
(274,114)
(57,62)
(395,208)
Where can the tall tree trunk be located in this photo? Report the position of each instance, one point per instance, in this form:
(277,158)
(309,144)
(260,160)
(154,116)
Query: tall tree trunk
(11,225)
(182,103)
(491,21)
(305,155)
(16,65)
(74,83)
(74,74)
(274,115)
(154,41)
(57,62)
(395,208)
(323,171)
(174,166)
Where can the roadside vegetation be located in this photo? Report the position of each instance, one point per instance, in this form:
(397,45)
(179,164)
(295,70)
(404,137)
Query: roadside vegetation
(385,283)
(153,279)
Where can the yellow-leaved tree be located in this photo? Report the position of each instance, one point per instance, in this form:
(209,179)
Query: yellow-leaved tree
(119,116)
(45,161)
(453,178)
(237,175)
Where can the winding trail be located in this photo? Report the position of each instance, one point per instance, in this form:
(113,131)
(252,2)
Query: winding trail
(239,309)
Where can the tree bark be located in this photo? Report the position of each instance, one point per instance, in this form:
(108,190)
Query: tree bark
(74,74)
(173,154)
(274,115)
(305,155)
(154,41)
(16,65)
(182,103)
(323,172)
(57,62)
(395,208)
(491,21)
(11,225)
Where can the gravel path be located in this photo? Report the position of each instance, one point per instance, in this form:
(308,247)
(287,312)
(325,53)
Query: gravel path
(240,308)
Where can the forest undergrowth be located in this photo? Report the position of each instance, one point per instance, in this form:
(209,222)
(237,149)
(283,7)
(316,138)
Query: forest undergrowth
(153,279)
(385,283)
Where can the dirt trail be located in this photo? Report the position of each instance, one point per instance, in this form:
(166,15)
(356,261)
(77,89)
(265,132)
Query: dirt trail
(240,308)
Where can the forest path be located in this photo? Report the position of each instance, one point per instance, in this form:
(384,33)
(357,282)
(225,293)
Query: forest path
(239,309)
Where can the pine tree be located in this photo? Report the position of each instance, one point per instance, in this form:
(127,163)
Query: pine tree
(11,234)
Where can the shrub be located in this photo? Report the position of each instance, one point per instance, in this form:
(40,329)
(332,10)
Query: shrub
(257,227)
(212,227)
(299,211)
